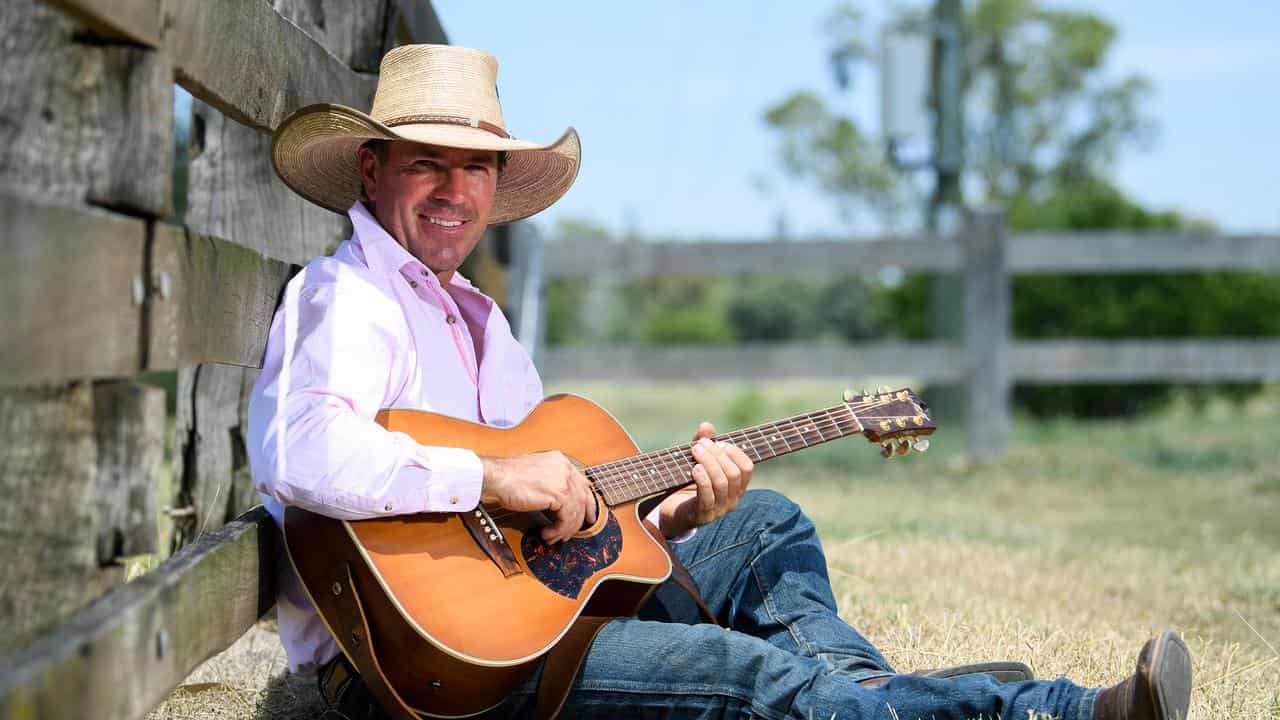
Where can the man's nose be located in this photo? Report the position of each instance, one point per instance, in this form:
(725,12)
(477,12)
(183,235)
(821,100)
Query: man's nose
(449,190)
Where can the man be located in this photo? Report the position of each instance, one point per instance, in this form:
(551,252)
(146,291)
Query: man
(387,321)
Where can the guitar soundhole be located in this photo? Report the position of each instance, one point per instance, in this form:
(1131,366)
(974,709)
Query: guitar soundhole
(565,567)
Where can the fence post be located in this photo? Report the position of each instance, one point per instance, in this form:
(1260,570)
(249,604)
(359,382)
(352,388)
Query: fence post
(987,308)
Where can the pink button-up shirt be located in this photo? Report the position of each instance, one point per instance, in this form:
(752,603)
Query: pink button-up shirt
(368,328)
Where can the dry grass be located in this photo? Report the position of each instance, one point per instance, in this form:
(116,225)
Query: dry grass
(1067,554)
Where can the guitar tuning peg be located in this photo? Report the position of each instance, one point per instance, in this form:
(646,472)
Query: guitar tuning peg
(902,447)
(866,390)
(920,445)
(883,389)
(849,395)
(886,449)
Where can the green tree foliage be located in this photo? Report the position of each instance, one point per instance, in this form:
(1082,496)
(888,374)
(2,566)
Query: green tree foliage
(1040,111)
(1045,125)
(1127,305)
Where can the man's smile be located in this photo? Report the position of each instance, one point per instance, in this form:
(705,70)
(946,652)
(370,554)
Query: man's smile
(442,222)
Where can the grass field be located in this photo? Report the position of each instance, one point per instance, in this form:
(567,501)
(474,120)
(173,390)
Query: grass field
(1067,554)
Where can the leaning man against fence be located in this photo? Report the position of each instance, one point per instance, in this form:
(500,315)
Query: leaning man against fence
(387,321)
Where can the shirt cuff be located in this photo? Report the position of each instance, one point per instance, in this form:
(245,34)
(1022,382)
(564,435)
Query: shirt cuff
(453,478)
(653,518)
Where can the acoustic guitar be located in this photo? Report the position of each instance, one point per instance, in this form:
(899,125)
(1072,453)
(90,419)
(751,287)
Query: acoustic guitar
(465,603)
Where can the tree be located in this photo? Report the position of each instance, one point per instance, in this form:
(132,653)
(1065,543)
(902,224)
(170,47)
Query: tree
(1040,111)
(1045,126)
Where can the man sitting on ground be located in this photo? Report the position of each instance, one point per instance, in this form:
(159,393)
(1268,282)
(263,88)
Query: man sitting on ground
(387,321)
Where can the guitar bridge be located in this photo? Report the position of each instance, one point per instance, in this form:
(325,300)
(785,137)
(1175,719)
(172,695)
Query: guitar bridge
(489,537)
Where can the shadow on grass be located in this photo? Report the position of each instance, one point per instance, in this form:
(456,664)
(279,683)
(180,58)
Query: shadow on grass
(290,696)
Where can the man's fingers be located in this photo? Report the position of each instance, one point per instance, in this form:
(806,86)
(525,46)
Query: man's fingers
(589,503)
(708,458)
(567,523)
(742,464)
(705,429)
(706,494)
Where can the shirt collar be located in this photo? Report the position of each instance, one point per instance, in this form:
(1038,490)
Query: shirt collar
(381,251)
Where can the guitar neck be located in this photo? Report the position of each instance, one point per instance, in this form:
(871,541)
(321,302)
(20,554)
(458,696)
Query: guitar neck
(658,471)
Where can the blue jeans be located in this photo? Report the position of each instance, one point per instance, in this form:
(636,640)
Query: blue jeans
(782,653)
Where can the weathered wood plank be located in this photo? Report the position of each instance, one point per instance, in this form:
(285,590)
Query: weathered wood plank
(126,652)
(1108,361)
(938,361)
(129,420)
(987,311)
(234,194)
(244,58)
(351,31)
(1110,252)
(47,520)
(67,287)
(81,122)
(213,302)
(1030,361)
(1028,253)
(645,259)
(135,21)
(214,466)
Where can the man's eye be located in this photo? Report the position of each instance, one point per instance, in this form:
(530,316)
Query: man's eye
(478,168)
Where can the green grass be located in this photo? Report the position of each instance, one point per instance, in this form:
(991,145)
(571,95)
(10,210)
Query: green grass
(1067,553)
(1086,539)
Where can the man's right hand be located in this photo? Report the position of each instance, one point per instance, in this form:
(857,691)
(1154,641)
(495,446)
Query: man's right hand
(541,481)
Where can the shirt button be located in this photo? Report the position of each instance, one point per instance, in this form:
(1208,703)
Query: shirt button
(450,318)
(424,272)
(387,507)
(413,283)
(453,499)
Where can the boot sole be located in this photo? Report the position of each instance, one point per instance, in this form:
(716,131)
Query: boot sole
(1171,677)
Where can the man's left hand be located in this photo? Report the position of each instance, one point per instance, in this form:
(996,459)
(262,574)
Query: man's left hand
(720,477)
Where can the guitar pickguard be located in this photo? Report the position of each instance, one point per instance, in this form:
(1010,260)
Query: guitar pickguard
(567,566)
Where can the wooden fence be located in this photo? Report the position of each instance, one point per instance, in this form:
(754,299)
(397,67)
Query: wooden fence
(985,359)
(101,283)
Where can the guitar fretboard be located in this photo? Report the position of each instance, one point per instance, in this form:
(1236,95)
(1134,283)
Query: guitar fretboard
(654,472)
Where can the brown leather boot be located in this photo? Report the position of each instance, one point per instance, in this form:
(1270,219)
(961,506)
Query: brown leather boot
(1159,689)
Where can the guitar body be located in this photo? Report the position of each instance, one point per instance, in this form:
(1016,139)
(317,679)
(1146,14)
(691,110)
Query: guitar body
(462,633)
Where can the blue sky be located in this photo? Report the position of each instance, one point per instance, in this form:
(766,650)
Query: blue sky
(668,97)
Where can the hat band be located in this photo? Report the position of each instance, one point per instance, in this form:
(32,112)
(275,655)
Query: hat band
(450,120)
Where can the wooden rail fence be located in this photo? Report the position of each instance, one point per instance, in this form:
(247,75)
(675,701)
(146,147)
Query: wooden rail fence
(985,359)
(101,283)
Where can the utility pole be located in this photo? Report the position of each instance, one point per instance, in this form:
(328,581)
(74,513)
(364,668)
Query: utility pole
(946,205)
(947,201)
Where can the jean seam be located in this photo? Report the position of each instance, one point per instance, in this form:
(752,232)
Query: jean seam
(666,691)
(717,553)
(769,606)
(1084,706)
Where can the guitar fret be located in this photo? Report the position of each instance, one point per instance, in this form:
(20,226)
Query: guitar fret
(656,471)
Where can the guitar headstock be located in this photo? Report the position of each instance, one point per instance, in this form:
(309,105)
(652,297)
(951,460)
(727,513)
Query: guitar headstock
(897,420)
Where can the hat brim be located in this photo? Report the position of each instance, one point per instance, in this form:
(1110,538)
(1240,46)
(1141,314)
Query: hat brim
(314,152)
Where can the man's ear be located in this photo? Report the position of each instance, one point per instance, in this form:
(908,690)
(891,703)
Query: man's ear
(368,172)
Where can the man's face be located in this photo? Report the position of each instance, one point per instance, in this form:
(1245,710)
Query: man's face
(435,201)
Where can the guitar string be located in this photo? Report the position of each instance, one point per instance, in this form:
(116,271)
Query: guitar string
(814,430)
(613,476)
(849,406)
(616,472)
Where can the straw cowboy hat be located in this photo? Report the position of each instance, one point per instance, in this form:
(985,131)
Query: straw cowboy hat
(434,94)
